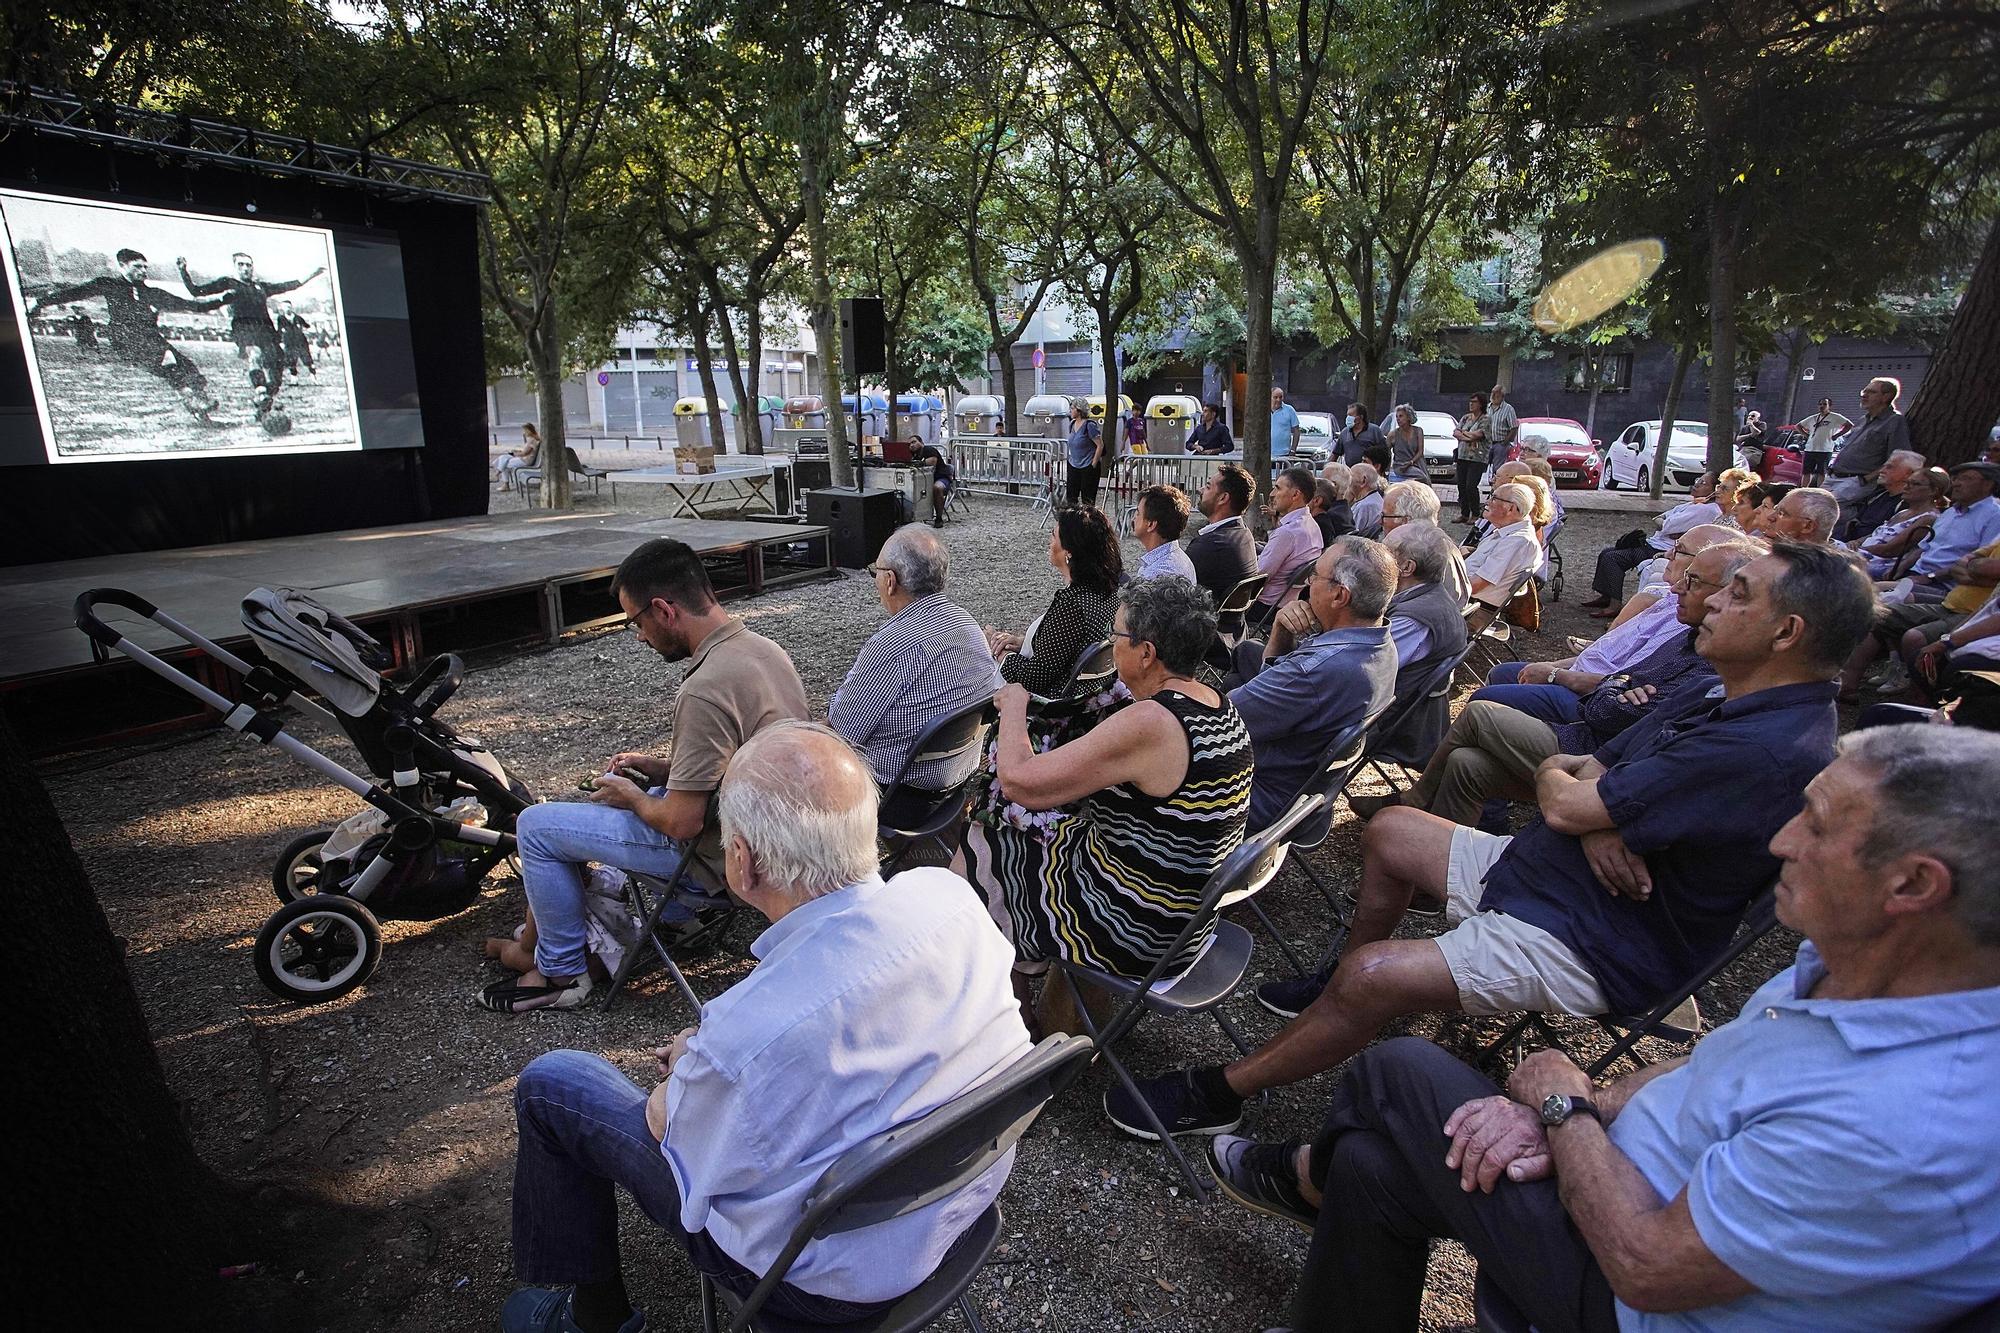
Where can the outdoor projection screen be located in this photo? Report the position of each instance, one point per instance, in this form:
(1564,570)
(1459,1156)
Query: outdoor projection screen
(151,334)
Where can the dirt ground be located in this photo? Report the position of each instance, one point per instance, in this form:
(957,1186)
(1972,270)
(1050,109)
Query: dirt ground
(388,1111)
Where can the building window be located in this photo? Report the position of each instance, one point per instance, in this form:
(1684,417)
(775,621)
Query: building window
(1614,372)
(1477,374)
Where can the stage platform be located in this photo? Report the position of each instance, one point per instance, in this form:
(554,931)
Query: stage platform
(421,588)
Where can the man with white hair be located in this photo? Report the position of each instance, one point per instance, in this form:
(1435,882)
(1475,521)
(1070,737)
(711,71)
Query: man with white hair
(1970,521)
(871,1004)
(1413,501)
(1509,550)
(929,661)
(1864,449)
(1364,491)
(1427,629)
(1635,548)
(1807,514)
(1883,505)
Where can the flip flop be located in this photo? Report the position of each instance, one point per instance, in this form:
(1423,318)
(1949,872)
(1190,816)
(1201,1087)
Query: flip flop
(511,997)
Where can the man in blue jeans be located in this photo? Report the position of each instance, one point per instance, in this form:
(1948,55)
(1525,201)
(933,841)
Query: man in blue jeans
(872,1004)
(736,684)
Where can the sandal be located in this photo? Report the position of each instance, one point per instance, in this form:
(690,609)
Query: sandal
(511,997)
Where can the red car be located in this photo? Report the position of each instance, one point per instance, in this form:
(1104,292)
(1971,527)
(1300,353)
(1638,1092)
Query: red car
(1573,456)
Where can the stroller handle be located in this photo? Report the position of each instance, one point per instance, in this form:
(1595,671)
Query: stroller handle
(447,671)
(99,632)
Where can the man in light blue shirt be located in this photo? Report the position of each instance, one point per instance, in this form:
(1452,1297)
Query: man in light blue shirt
(871,1004)
(1970,521)
(1285,427)
(1158,520)
(1825,1162)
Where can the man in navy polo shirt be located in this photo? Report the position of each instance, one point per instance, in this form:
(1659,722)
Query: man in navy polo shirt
(1635,874)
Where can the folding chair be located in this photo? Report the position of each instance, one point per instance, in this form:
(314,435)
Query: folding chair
(1092,672)
(907,1168)
(1229,612)
(1488,629)
(1385,740)
(911,816)
(649,913)
(1758,920)
(594,475)
(1261,629)
(1204,987)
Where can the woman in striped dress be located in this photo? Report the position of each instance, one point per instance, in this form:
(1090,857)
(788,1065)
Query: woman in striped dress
(1102,847)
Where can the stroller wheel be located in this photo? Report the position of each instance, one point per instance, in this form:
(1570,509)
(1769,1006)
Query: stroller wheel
(299,871)
(318,948)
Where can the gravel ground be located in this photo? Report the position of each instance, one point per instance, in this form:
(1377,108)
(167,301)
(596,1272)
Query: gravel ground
(381,1123)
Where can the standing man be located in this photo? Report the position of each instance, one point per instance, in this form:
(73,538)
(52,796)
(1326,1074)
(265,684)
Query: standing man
(1284,425)
(249,302)
(1086,457)
(132,309)
(1158,522)
(1823,428)
(1502,425)
(1866,447)
(737,683)
(1210,436)
(294,338)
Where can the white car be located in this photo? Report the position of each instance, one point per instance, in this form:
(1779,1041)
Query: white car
(1629,461)
(1440,447)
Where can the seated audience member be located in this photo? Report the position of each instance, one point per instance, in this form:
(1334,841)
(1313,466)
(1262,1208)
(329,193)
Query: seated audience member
(1492,751)
(1158,522)
(1969,521)
(1878,505)
(1364,493)
(1896,537)
(1553,691)
(784,1074)
(1635,873)
(737,683)
(1097,851)
(1294,542)
(1210,436)
(1806,514)
(943,477)
(1330,511)
(1751,503)
(1417,502)
(1507,551)
(1753,1184)
(1907,628)
(1973,646)
(929,661)
(1328,664)
(1426,628)
(1510,471)
(1223,552)
(1083,550)
(1636,547)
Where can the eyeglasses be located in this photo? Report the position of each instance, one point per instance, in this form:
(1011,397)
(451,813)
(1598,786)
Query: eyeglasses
(1688,580)
(632,621)
(873,570)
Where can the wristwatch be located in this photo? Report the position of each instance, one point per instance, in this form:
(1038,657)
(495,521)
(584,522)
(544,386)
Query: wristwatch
(1557,1108)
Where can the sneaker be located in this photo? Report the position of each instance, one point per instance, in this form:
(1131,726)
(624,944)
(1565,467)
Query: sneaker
(1261,1177)
(545,1310)
(1289,998)
(1176,1100)
(691,917)
(1366,808)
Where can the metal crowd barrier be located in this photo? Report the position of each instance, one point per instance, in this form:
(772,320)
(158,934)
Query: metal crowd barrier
(1135,472)
(1007,465)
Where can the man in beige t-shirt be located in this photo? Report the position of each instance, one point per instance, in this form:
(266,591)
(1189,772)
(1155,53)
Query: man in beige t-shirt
(737,682)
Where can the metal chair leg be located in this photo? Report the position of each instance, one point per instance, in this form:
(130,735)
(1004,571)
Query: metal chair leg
(971,1315)
(1124,1077)
(708,1312)
(1229,1030)
(1271,929)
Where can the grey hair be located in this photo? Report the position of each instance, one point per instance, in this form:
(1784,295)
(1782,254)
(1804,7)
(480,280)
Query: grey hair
(1425,546)
(1934,787)
(1366,569)
(1514,493)
(805,804)
(1895,387)
(1404,407)
(1366,474)
(1736,553)
(1909,458)
(1175,616)
(919,559)
(1830,596)
(1821,506)
(1415,501)
(1336,472)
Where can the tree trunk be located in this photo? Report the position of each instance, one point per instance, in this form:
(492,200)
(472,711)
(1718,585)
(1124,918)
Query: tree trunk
(1010,393)
(892,388)
(1954,411)
(1107,350)
(824,314)
(1368,376)
(545,360)
(1796,342)
(1259,289)
(704,360)
(1723,231)
(753,320)
(1593,371)
(746,397)
(126,1225)
(1669,414)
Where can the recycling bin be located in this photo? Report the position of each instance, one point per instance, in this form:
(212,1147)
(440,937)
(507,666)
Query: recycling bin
(1170,419)
(1046,416)
(978,414)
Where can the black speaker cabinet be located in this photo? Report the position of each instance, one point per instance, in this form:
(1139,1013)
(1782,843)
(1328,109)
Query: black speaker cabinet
(811,474)
(864,336)
(857,522)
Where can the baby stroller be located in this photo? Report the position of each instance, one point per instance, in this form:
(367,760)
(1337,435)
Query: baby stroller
(440,814)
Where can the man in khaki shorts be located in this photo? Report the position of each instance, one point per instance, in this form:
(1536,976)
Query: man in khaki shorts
(1636,873)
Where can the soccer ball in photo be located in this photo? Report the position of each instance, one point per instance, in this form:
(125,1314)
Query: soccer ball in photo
(276,422)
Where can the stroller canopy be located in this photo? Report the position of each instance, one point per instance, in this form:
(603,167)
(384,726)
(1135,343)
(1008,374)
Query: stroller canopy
(324,651)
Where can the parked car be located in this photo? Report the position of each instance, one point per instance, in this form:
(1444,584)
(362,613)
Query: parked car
(1573,456)
(1315,438)
(1629,462)
(1439,446)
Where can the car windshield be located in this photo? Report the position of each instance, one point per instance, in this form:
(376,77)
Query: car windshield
(1316,423)
(1556,433)
(1436,424)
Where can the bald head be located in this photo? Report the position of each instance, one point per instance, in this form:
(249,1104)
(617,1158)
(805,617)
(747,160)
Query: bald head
(797,810)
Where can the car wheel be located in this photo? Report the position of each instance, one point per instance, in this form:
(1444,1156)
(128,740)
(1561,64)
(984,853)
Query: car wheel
(1609,481)
(1646,480)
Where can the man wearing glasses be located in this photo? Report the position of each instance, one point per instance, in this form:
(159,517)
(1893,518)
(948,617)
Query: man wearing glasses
(1867,446)
(1491,751)
(737,683)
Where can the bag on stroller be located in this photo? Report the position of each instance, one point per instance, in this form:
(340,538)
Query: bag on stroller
(441,813)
